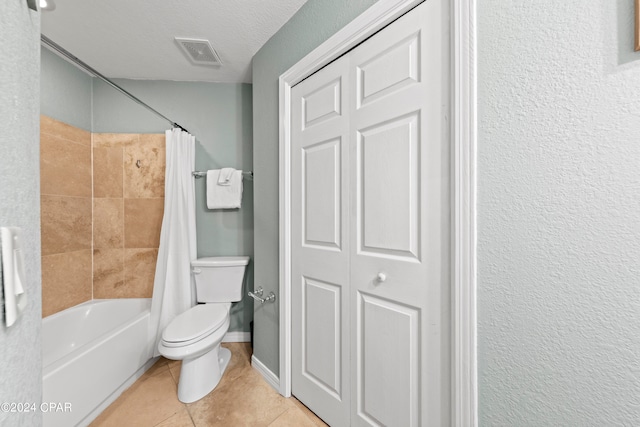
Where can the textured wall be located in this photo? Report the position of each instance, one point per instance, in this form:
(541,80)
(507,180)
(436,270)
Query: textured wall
(558,214)
(315,22)
(65,91)
(219,115)
(20,358)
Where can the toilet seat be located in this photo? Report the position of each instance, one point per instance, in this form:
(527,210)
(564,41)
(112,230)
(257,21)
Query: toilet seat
(195,324)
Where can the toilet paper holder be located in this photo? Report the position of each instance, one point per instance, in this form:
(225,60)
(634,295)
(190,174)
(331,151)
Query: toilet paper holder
(257,295)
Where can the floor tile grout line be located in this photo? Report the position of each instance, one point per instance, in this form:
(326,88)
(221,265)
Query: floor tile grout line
(173,377)
(190,415)
(278,416)
(169,417)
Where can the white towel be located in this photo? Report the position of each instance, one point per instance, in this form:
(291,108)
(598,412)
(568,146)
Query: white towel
(15,299)
(225,176)
(227,195)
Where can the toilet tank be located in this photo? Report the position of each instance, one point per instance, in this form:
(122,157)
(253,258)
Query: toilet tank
(219,279)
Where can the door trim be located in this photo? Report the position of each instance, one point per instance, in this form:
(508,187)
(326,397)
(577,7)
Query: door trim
(463,132)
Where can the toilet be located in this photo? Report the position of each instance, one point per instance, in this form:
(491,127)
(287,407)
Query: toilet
(195,335)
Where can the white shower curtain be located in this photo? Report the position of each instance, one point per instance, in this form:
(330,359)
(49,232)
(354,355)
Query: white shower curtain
(173,287)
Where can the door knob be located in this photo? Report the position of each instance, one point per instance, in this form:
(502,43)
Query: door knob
(382,277)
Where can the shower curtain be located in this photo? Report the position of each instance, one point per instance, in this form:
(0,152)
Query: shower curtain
(173,287)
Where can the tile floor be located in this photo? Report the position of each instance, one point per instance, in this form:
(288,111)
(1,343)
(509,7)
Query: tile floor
(242,398)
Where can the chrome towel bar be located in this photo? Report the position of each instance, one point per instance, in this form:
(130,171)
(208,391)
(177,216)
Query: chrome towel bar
(200,174)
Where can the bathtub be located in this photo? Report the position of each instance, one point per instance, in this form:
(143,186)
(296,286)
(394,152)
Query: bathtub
(91,353)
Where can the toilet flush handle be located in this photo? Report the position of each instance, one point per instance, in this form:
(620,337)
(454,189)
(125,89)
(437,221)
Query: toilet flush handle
(196,271)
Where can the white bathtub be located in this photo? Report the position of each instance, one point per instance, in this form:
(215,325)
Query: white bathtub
(91,353)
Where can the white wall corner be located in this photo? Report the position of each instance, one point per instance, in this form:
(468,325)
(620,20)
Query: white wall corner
(268,376)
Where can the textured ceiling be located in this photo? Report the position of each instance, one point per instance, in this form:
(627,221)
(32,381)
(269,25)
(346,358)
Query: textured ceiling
(135,38)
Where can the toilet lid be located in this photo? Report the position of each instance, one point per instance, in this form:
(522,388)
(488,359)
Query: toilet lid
(197,322)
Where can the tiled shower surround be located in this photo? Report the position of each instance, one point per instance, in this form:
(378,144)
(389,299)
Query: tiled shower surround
(65,207)
(99,241)
(128,202)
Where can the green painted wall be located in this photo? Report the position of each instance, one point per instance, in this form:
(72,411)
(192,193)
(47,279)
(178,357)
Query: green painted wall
(65,91)
(314,23)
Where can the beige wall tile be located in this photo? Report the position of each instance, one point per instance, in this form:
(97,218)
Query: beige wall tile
(105,140)
(108,223)
(107,171)
(139,272)
(60,129)
(148,179)
(66,280)
(65,167)
(108,273)
(142,222)
(66,224)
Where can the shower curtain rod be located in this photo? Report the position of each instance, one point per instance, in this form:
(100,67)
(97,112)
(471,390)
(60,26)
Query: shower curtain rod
(62,51)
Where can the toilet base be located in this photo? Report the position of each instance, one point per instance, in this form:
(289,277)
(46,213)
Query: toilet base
(199,376)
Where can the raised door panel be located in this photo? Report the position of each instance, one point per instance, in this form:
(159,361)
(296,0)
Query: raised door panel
(322,335)
(321,194)
(394,68)
(388,192)
(322,103)
(388,357)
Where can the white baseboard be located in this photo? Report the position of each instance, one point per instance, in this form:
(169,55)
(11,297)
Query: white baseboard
(237,337)
(268,376)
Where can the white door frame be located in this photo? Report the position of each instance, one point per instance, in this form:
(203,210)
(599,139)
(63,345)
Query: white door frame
(463,132)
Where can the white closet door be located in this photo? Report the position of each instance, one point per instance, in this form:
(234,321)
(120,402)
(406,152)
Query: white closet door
(371,229)
(320,243)
(399,275)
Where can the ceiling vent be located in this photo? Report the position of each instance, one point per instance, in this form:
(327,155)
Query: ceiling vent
(199,51)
